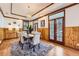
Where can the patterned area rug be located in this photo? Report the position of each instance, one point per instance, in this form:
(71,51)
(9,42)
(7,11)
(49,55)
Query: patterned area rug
(17,51)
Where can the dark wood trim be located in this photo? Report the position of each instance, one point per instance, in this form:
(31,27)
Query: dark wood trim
(55,30)
(43,9)
(13,18)
(63,28)
(48,28)
(2,12)
(15,13)
(9,16)
(57,10)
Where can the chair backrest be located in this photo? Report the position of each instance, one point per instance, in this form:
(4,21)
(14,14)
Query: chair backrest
(36,39)
(24,33)
(21,36)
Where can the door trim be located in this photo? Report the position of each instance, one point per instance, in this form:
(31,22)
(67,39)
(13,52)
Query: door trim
(55,26)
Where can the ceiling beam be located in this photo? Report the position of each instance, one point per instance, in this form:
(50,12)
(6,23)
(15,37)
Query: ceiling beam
(43,9)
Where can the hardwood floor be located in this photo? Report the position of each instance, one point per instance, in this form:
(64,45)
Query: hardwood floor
(62,50)
(59,50)
(5,47)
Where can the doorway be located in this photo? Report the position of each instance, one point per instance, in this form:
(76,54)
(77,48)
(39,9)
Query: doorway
(56,30)
(35,26)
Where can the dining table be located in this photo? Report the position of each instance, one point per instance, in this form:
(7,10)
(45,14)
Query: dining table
(29,36)
(29,39)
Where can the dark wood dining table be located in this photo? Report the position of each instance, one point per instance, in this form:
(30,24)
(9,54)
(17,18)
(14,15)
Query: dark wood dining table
(29,39)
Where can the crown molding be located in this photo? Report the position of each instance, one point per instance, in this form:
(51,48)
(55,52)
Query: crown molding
(9,16)
(43,9)
(15,13)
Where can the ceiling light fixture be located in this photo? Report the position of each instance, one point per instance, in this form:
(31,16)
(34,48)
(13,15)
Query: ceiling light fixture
(28,6)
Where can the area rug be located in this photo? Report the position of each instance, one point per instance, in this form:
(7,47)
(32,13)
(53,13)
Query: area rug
(17,51)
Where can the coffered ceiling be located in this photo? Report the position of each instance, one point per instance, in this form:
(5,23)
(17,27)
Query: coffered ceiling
(26,11)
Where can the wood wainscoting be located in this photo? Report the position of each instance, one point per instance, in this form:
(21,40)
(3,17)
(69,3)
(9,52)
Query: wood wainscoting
(5,33)
(10,34)
(1,34)
(72,37)
(44,33)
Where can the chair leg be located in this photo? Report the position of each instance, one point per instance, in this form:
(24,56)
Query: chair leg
(34,48)
(22,46)
(39,45)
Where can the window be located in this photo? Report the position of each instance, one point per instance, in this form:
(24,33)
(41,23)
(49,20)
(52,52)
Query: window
(54,16)
(25,25)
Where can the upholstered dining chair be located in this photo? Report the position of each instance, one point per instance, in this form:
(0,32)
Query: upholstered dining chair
(22,38)
(36,40)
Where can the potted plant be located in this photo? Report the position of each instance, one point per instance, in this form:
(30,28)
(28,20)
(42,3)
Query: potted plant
(30,29)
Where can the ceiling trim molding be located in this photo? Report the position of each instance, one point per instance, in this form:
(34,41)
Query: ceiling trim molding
(15,13)
(43,9)
(56,11)
(9,16)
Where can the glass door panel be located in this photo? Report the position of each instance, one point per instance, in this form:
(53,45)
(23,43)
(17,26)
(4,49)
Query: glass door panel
(52,30)
(59,29)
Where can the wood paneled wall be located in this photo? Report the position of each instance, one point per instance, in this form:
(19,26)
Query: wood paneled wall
(44,33)
(72,37)
(9,34)
(5,33)
(1,34)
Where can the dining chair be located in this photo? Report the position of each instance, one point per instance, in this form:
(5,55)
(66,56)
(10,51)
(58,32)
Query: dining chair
(36,40)
(22,38)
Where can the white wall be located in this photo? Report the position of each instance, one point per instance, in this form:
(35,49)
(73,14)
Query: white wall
(46,22)
(17,25)
(39,22)
(72,16)
(1,20)
(4,22)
